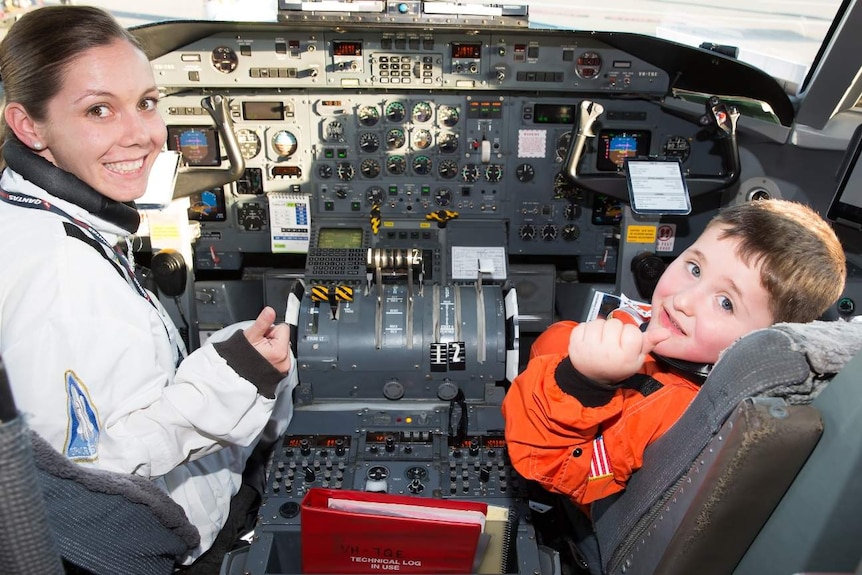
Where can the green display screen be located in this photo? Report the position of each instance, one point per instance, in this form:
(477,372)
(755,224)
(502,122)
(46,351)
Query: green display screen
(335,238)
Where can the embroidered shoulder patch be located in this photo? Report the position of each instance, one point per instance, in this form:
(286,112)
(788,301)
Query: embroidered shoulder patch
(82,434)
(600,464)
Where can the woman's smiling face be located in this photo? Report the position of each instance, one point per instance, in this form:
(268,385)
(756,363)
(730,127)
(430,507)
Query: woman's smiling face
(103,125)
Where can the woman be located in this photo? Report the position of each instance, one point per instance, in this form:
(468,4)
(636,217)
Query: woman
(91,355)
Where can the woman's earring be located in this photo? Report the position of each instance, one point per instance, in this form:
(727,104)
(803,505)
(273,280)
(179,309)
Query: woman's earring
(37,145)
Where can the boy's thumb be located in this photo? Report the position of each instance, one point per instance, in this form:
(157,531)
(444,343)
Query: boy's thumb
(654,337)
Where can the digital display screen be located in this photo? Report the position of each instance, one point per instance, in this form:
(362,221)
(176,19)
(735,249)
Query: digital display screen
(657,187)
(263,110)
(607,211)
(197,144)
(553,114)
(617,145)
(208,206)
(346,48)
(846,204)
(495,442)
(460,50)
(339,238)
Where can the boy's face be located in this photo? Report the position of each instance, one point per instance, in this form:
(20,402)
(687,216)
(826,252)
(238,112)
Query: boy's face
(708,297)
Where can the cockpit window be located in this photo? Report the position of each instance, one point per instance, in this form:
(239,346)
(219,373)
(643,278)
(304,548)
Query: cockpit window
(780,38)
(784,40)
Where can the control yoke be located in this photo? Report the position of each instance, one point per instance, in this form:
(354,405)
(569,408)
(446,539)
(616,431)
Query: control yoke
(724,119)
(588,114)
(193,180)
(719,116)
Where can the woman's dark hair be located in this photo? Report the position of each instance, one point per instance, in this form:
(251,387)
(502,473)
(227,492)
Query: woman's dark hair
(36,52)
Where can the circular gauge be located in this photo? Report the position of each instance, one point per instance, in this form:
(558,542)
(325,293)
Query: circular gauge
(422,165)
(525,173)
(470,173)
(249,143)
(422,139)
(448,115)
(447,169)
(377,472)
(494,173)
(224,59)
(563,188)
(527,232)
(416,473)
(588,65)
(345,171)
(447,143)
(395,138)
(571,232)
(369,168)
(284,143)
(395,111)
(677,147)
(324,171)
(422,112)
(334,131)
(374,195)
(549,232)
(368,115)
(572,212)
(369,142)
(563,143)
(395,165)
(443,197)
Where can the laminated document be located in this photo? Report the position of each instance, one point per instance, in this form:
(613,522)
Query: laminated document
(289,222)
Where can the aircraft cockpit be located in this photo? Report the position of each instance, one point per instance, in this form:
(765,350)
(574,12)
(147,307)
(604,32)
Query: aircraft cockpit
(421,188)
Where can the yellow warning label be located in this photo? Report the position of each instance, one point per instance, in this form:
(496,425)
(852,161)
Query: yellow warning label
(641,234)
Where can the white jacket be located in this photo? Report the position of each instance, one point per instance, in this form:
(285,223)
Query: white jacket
(92,368)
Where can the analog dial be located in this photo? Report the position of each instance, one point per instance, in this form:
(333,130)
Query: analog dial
(369,142)
(422,139)
(395,112)
(395,138)
(368,115)
(224,59)
(422,112)
(447,169)
(369,168)
(448,115)
(284,143)
(422,165)
(396,165)
(249,143)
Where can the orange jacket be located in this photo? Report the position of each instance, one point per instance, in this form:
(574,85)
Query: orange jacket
(580,438)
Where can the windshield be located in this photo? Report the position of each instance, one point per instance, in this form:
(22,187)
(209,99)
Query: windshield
(780,38)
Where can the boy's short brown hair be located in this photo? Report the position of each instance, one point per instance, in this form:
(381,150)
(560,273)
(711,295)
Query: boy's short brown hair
(803,267)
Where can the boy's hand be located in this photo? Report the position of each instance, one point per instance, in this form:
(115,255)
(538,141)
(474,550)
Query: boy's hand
(271,341)
(609,351)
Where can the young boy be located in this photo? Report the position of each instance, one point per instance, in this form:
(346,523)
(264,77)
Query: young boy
(595,394)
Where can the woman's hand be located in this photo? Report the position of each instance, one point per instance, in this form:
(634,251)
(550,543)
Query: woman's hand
(270,340)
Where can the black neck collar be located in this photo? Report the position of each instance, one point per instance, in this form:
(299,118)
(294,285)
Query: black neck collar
(688,369)
(66,186)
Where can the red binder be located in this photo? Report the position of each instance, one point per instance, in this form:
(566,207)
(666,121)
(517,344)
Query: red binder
(344,541)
